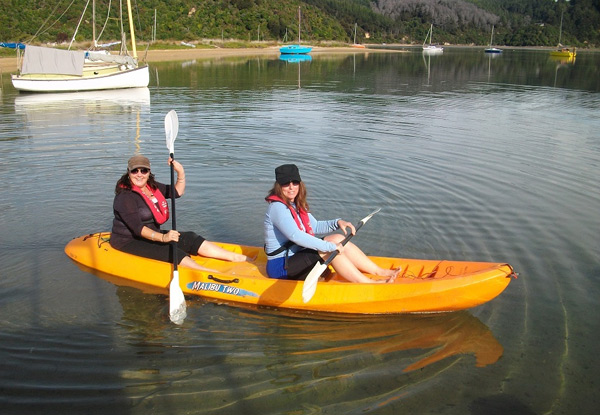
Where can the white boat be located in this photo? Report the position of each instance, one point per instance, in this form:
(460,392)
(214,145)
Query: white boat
(55,70)
(492,49)
(430,48)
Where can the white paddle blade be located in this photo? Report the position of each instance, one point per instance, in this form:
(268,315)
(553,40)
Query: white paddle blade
(370,216)
(310,283)
(177,307)
(171,129)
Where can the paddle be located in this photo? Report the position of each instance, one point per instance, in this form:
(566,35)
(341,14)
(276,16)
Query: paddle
(177,307)
(310,283)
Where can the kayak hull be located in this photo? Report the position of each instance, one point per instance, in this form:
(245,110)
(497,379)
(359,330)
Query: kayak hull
(424,286)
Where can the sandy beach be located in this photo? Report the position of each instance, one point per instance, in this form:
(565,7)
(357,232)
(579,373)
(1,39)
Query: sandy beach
(8,65)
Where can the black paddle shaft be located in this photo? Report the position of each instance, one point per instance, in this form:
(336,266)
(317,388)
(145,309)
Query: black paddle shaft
(344,242)
(173,222)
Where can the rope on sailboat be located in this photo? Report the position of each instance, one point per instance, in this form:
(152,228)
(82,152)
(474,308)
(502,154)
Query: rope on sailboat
(78,24)
(48,18)
(106,21)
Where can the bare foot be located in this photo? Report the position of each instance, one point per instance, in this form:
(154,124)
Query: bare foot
(389,272)
(394,275)
(239,258)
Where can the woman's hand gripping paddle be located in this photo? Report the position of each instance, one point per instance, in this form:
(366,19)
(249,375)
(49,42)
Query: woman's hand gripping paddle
(177,306)
(310,283)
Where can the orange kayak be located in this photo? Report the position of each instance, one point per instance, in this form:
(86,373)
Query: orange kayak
(424,286)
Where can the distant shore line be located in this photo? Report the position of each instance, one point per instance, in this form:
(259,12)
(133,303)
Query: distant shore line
(9,64)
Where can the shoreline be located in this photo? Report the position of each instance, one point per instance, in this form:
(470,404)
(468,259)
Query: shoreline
(9,65)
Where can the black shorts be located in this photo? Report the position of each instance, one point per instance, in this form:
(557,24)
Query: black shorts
(301,263)
(189,243)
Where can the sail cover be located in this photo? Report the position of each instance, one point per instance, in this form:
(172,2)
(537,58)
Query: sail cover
(52,61)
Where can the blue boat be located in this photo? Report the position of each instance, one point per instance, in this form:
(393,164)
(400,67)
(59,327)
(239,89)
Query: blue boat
(492,49)
(296,49)
(12,45)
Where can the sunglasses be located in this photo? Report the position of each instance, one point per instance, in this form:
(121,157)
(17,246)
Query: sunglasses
(294,182)
(142,170)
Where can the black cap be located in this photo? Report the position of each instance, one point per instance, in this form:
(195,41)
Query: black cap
(287,173)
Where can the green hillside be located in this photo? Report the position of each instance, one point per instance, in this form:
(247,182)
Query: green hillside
(517,22)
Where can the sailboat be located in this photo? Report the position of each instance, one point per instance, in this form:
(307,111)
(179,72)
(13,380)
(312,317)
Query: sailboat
(56,70)
(356,45)
(563,52)
(430,48)
(296,49)
(492,49)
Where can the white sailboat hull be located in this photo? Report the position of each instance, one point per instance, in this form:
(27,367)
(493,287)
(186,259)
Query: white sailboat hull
(432,50)
(128,78)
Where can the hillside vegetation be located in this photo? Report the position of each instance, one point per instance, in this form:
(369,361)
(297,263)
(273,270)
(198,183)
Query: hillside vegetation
(517,22)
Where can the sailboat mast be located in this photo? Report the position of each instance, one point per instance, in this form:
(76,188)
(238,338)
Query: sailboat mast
(560,30)
(94,23)
(299,19)
(131,31)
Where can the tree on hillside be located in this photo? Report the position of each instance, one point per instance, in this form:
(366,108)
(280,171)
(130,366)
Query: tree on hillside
(450,15)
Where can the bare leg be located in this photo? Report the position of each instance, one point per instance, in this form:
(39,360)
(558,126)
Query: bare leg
(352,263)
(190,263)
(212,250)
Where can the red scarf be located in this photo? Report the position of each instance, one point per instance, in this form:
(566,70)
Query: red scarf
(160,210)
(301,216)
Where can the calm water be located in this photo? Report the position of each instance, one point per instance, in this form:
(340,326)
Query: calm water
(470,157)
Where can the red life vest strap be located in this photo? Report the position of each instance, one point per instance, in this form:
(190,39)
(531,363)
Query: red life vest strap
(300,216)
(160,209)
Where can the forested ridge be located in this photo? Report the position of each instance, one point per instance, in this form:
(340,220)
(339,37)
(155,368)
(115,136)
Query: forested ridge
(516,22)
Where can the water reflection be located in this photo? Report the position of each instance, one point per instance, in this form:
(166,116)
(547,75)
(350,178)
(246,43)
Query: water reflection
(435,336)
(295,58)
(92,101)
(562,63)
(73,111)
(216,359)
(474,166)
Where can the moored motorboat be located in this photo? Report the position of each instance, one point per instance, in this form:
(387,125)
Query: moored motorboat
(422,286)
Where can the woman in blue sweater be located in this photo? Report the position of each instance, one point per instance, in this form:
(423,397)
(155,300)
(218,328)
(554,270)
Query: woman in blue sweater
(290,242)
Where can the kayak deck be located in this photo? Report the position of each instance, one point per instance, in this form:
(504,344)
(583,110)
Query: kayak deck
(422,286)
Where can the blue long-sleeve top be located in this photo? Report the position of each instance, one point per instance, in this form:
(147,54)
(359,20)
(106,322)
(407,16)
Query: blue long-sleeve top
(280,227)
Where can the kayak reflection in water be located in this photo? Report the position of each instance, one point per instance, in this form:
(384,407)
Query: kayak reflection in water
(290,242)
(140,207)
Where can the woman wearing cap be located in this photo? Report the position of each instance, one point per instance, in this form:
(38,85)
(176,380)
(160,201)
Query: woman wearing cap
(290,242)
(140,207)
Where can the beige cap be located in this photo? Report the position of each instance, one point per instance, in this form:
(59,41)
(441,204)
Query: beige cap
(138,161)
